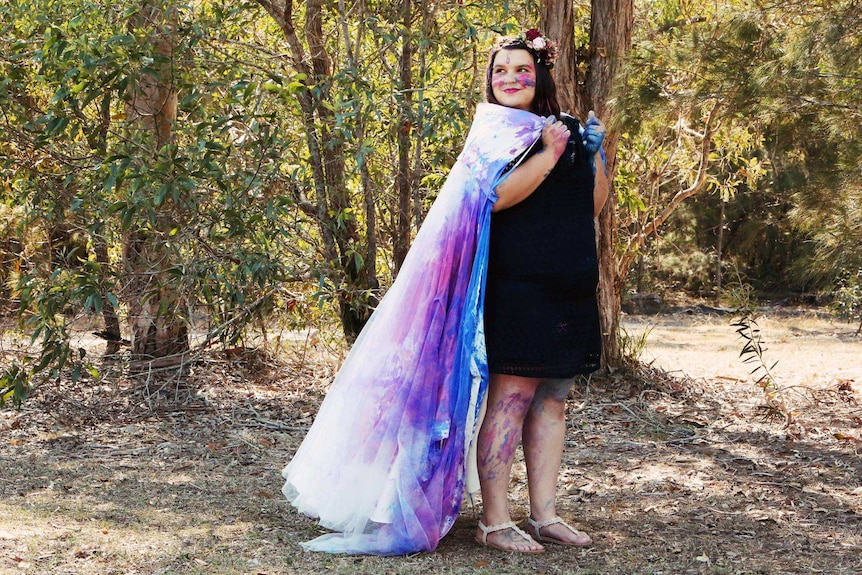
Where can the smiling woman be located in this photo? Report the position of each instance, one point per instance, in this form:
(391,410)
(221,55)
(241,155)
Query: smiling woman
(385,463)
(541,318)
(517,61)
(513,80)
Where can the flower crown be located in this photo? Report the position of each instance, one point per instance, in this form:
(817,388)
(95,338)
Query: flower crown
(544,49)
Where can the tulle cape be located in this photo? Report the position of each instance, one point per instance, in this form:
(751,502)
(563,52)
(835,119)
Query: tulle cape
(383,465)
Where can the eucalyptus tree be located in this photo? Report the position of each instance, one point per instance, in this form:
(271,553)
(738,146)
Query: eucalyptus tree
(153,157)
(590,62)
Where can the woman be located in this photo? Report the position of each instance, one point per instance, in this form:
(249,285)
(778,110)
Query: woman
(384,464)
(541,316)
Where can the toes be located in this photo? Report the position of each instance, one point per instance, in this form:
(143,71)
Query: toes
(509,540)
(564,534)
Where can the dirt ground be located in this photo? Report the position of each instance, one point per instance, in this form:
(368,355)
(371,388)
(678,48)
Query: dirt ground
(673,469)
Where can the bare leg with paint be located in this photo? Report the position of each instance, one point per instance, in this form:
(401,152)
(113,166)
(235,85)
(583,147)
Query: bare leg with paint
(509,400)
(544,439)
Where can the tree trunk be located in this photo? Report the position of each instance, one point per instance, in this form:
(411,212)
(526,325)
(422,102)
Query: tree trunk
(719,244)
(341,241)
(404,179)
(558,23)
(109,313)
(612,22)
(158,328)
(428,12)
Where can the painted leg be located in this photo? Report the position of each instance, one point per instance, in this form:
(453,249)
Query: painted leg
(544,438)
(509,399)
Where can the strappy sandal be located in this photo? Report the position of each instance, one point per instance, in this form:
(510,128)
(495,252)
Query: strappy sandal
(535,529)
(502,527)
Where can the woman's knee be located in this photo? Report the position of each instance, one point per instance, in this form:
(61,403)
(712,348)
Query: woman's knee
(553,390)
(510,395)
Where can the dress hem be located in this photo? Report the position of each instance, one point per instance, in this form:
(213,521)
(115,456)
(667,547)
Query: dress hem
(542,373)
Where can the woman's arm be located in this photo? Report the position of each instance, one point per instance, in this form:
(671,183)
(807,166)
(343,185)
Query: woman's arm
(600,187)
(594,134)
(524,179)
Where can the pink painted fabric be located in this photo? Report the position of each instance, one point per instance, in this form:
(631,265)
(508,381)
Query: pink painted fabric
(383,465)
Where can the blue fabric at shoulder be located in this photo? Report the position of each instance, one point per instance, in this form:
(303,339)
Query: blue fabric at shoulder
(384,463)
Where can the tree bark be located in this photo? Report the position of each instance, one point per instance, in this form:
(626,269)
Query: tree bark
(719,245)
(109,313)
(158,327)
(558,23)
(404,179)
(341,241)
(611,26)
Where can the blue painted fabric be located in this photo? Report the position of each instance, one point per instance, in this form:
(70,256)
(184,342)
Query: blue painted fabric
(383,465)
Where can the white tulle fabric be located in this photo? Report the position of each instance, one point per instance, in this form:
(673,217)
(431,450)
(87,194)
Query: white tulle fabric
(383,465)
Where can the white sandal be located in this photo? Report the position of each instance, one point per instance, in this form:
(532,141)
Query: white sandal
(502,527)
(536,531)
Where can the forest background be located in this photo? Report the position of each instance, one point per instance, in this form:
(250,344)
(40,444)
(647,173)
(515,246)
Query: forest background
(209,169)
(222,191)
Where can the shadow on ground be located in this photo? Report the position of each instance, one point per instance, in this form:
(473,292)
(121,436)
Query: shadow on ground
(669,476)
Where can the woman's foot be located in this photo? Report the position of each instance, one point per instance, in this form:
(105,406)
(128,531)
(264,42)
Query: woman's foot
(507,537)
(555,530)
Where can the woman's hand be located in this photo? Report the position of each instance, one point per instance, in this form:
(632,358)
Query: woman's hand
(594,133)
(555,135)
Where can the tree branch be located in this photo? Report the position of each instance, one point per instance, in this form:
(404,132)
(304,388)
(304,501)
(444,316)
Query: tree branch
(651,228)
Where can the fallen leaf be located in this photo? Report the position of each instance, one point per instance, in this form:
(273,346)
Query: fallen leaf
(844,437)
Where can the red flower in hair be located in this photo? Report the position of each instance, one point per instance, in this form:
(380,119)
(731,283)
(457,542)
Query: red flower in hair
(544,49)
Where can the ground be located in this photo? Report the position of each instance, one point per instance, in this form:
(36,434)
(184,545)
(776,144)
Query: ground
(672,470)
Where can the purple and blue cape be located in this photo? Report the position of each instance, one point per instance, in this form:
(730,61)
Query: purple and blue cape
(384,463)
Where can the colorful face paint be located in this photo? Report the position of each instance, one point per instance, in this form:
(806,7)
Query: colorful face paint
(513,79)
(527,80)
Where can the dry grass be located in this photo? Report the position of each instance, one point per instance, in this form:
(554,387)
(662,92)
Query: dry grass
(669,474)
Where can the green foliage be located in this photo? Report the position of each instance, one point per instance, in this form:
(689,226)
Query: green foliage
(848,296)
(74,161)
(228,214)
(785,142)
(753,352)
(680,113)
(633,345)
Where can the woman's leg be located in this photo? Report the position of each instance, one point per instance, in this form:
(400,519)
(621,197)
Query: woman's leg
(509,399)
(544,438)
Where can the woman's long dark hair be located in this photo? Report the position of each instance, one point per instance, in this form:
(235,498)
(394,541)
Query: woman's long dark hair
(545,102)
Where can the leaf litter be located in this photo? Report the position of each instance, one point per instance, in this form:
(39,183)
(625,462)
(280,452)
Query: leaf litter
(668,473)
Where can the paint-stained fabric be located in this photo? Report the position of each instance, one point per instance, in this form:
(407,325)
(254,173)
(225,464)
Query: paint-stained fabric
(383,465)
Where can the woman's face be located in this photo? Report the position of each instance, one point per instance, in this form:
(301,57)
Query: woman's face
(513,78)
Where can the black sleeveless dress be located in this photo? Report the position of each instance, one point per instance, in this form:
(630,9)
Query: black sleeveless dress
(541,313)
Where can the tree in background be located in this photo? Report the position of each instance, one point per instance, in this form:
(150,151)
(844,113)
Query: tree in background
(309,139)
(159,328)
(153,162)
(587,83)
(784,142)
(277,181)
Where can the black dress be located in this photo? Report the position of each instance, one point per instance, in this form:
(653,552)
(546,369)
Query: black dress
(541,314)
